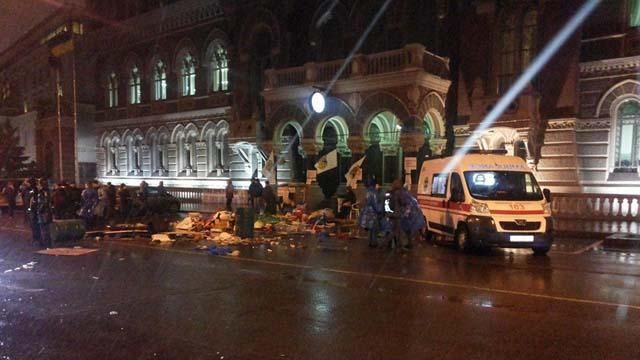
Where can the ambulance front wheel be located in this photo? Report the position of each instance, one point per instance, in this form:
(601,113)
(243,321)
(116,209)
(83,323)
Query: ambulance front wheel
(461,237)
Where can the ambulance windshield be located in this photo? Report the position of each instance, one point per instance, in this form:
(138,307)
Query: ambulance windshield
(503,185)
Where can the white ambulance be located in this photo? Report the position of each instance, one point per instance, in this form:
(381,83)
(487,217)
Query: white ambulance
(485,200)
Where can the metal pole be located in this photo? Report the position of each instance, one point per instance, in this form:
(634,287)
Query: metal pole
(58,94)
(75,121)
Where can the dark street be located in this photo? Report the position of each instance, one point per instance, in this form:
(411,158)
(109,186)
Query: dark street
(131,300)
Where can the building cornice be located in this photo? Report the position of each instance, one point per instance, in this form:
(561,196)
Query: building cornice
(363,84)
(203,114)
(610,65)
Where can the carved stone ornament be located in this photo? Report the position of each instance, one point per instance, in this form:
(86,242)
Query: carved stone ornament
(594,125)
(564,124)
(461,130)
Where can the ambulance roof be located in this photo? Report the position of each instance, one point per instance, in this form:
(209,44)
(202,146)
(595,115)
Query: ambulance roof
(482,162)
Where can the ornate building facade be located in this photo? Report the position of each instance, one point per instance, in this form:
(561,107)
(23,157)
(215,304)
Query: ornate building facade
(195,92)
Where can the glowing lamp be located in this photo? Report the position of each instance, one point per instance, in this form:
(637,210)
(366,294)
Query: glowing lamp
(318,102)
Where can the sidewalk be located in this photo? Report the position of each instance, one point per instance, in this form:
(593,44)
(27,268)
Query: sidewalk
(594,228)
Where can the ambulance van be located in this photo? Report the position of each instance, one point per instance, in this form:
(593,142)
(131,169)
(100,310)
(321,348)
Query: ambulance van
(485,200)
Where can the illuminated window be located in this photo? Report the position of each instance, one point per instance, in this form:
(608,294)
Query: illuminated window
(506,68)
(135,93)
(188,75)
(634,13)
(160,81)
(112,90)
(627,153)
(439,185)
(219,68)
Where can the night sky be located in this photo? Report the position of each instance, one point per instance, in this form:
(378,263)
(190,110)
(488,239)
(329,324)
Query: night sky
(18,16)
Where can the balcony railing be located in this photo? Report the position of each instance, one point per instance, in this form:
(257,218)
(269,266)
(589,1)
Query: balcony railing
(412,56)
(595,207)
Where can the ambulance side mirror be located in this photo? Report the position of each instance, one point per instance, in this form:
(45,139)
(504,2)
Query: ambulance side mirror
(547,194)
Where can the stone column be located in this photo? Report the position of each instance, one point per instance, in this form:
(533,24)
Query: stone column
(172,159)
(201,159)
(101,161)
(123,159)
(145,157)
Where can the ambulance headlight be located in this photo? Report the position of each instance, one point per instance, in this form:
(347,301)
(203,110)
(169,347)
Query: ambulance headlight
(479,207)
(547,208)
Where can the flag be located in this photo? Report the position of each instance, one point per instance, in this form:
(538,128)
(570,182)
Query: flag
(269,169)
(327,162)
(354,173)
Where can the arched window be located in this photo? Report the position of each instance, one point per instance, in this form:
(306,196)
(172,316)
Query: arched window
(627,153)
(188,74)
(634,13)
(160,81)
(528,41)
(112,90)
(135,93)
(218,68)
(506,68)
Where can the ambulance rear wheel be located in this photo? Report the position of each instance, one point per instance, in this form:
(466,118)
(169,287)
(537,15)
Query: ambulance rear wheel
(462,238)
(541,251)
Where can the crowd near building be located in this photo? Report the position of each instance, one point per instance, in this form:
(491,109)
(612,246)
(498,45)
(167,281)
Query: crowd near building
(196,92)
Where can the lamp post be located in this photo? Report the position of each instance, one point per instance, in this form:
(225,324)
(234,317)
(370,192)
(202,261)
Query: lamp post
(60,45)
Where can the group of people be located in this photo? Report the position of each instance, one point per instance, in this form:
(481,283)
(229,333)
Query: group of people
(399,223)
(263,198)
(95,203)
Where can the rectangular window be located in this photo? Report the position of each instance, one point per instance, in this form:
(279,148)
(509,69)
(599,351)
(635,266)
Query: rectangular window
(439,185)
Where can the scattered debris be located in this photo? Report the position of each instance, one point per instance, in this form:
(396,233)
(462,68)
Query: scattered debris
(113,313)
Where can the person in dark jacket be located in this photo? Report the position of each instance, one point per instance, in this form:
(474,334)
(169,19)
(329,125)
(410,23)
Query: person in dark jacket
(270,200)
(255,194)
(124,198)
(89,202)
(348,199)
(229,192)
(43,215)
(10,193)
(30,192)
(111,201)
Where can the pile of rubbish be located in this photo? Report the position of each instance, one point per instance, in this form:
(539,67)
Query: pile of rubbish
(216,233)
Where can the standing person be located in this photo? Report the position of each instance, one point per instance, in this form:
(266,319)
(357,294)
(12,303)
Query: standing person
(229,192)
(42,205)
(111,201)
(395,214)
(162,191)
(269,197)
(89,202)
(10,193)
(255,194)
(411,218)
(124,198)
(58,201)
(349,198)
(372,212)
(30,192)
(24,189)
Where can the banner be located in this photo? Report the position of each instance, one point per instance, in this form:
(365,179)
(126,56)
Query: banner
(327,162)
(269,169)
(355,173)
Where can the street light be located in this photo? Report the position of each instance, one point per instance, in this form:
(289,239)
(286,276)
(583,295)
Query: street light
(318,102)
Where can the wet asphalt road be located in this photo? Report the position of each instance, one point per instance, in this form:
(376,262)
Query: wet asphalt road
(130,300)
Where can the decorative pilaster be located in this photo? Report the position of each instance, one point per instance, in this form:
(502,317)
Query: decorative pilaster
(201,159)
(101,161)
(145,155)
(172,159)
(123,160)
